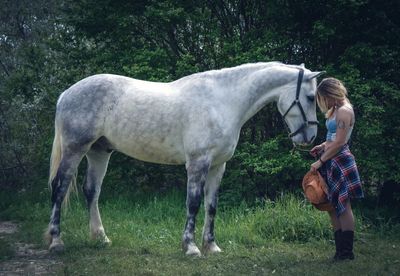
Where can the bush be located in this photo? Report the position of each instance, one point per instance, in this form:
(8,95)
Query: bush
(265,170)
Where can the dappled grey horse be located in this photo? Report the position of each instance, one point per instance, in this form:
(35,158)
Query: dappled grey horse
(195,121)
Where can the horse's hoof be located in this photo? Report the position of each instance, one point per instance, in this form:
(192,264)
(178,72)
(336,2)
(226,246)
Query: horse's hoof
(211,248)
(56,246)
(193,250)
(106,241)
(100,237)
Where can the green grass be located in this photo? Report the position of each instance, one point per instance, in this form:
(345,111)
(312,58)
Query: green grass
(286,237)
(6,251)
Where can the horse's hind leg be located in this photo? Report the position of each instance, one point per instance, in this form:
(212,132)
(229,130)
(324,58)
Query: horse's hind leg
(60,184)
(210,204)
(97,167)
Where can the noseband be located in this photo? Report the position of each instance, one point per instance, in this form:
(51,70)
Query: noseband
(297,102)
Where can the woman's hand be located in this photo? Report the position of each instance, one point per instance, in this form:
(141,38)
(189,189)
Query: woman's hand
(316,150)
(315,166)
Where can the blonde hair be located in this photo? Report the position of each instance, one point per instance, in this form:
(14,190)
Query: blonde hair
(330,88)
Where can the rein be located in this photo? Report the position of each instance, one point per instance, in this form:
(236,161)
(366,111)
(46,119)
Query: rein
(297,102)
(298,149)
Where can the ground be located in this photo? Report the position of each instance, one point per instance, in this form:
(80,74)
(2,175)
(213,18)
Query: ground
(27,258)
(285,237)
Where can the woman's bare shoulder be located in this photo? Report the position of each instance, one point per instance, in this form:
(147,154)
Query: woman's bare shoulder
(345,113)
(345,109)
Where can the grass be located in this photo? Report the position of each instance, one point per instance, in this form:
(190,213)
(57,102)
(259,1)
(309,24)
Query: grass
(5,250)
(286,237)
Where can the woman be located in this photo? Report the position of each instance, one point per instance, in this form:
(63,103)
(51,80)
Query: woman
(337,164)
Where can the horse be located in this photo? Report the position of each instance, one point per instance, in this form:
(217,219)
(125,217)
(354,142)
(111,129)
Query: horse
(193,121)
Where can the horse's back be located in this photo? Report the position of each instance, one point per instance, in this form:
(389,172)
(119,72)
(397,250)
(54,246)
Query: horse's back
(98,95)
(154,122)
(101,87)
(139,118)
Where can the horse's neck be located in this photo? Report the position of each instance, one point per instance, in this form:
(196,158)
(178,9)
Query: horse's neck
(253,90)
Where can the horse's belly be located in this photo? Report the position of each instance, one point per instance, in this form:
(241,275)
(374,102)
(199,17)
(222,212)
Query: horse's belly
(150,149)
(147,130)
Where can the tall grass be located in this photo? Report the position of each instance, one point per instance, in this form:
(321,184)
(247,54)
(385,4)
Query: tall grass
(160,220)
(287,219)
(286,236)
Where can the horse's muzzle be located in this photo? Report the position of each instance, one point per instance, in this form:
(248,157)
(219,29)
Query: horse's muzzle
(304,138)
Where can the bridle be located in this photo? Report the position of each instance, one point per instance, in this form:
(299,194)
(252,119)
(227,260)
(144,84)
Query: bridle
(297,102)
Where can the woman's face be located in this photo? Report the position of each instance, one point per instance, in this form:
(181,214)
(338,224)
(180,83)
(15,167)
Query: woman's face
(331,102)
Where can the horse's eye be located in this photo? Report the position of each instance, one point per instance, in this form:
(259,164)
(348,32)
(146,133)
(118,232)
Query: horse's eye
(311,98)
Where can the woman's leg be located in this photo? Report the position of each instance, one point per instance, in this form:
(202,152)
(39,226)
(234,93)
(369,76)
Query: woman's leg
(343,227)
(346,219)
(334,221)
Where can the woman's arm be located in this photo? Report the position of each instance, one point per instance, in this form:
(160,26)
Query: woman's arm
(315,151)
(344,117)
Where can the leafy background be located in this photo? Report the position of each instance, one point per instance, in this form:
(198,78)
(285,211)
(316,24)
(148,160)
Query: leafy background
(46,46)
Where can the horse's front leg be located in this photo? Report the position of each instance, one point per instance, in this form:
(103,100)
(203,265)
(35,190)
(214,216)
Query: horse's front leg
(196,173)
(210,204)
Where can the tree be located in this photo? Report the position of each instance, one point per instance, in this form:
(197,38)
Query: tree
(48,46)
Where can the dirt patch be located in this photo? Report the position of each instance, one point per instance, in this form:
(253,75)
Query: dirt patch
(28,259)
(8,227)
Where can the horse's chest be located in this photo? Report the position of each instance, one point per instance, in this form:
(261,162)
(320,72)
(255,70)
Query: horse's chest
(225,151)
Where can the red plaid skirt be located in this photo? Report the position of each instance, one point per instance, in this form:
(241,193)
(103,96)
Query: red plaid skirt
(341,175)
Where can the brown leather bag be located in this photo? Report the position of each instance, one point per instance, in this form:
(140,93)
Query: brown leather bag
(316,191)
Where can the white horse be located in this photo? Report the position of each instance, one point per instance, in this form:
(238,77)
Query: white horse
(195,121)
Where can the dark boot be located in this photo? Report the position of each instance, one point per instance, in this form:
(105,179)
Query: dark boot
(338,237)
(346,247)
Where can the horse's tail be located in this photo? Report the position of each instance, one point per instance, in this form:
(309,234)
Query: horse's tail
(55,160)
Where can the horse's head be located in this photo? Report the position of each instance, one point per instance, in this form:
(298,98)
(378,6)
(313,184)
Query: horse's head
(298,107)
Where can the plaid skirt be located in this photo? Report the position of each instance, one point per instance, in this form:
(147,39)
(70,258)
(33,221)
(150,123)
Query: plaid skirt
(341,175)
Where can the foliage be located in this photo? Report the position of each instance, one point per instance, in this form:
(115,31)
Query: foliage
(264,170)
(46,46)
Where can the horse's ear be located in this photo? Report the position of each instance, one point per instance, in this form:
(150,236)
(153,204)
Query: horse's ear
(302,65)
(313,75)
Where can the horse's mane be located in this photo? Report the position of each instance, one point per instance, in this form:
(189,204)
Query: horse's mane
(240,69)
